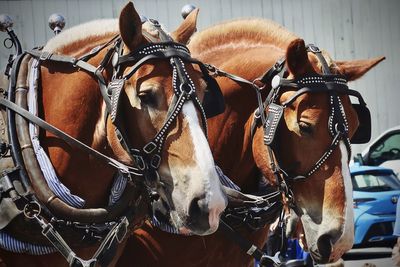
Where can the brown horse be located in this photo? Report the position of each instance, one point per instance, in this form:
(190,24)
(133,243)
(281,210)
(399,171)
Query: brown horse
(70,100)
(248,48)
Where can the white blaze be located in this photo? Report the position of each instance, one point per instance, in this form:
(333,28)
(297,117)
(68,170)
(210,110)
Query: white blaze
(205,175)
(346,240)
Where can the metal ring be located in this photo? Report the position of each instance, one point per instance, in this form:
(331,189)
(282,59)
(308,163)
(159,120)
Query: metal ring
(259,88)
(29,210)
(6,45)
(182,89)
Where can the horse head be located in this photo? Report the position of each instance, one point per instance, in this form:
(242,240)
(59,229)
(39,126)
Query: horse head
(161,112)
(312,145)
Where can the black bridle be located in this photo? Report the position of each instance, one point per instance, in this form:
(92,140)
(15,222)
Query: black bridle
(334,86)
(146,160)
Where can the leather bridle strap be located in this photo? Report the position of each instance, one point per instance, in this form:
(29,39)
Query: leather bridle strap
(47,56)
(124,169)
(303,90)
(43,56)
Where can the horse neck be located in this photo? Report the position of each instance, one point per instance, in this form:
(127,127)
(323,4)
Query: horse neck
(230,133)
(71,101)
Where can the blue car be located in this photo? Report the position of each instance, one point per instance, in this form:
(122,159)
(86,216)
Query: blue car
(375,194)
(375,191)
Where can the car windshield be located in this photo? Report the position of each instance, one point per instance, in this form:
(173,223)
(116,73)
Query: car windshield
(375,182)
(388,149)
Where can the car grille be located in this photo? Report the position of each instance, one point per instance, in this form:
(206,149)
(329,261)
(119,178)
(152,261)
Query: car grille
(379,229)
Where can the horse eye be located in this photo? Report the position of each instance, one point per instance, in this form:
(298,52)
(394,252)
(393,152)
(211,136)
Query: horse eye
(305,128)
(147,98)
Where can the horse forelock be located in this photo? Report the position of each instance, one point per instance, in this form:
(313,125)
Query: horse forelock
(253,31)
(331,63)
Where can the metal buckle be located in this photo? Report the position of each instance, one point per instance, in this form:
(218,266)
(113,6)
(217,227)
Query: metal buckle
(154,22)
(187,88)
(45,56)
(257,113)
(140,162)
(150,147)
(155,161)
(313,48)
(121,230)
(255,84)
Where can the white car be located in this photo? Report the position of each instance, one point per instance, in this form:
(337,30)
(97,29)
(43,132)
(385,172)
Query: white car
(384,151)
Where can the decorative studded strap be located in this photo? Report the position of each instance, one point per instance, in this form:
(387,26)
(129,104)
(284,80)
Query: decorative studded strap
(274,116)
(115,87)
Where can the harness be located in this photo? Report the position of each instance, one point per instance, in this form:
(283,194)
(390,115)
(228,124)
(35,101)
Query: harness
(269,115)
(53,217)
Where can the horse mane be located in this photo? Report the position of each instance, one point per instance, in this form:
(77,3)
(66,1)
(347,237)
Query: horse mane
(251,30)
(96,29)
(88,33)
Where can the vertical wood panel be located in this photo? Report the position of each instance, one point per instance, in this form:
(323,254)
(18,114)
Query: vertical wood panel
(89,10)
(106,8)
(392,39)
(256,8)
(277,9)
(226,9)
(308,23)
(268,11)
(72,14)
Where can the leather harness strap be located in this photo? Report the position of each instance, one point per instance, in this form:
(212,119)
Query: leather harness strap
(125,169)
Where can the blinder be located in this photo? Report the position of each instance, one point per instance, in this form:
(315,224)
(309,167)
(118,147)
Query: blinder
(363,132)
(334,83)
(213,101)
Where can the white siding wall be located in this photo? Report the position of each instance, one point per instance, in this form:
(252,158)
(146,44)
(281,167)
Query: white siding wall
(347,29)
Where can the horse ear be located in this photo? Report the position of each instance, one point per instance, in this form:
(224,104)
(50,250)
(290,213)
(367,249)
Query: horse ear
(186,29)
(355,69)
(130,26)
(297,58)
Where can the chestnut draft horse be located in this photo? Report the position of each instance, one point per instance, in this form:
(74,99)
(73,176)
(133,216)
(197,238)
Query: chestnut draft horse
(152,102)
(323,200)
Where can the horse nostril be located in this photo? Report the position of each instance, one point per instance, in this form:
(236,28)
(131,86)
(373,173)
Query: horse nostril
(198,206)
(324,245)
(199,213)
